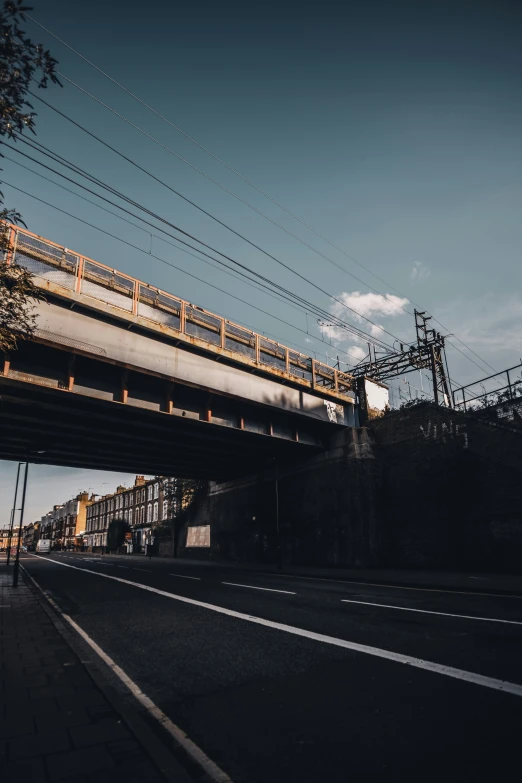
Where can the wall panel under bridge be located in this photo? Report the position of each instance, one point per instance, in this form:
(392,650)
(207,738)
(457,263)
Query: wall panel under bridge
(328,510)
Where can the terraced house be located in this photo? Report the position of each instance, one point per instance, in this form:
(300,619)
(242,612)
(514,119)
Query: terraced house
(65,524)
(144,506)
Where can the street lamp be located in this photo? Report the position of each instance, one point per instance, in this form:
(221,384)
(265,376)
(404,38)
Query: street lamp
(13,512)
(22,508)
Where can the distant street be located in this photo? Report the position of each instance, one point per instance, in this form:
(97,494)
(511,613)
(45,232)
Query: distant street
(244,669)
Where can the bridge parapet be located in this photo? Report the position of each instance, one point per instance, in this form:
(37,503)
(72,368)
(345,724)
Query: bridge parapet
(72,276)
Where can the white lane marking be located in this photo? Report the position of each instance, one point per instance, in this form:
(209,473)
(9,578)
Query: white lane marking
(418,663)
(426,611)
(127,567)
(213,771)
(149,570)
(181,576)
(392,587)
(252,587)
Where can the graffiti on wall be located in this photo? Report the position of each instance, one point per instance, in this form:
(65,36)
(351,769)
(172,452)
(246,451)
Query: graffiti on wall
(445,432)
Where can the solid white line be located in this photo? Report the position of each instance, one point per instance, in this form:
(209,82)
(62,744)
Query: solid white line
(252,587)
(181,576)
(418,663)
(392,587)
(149,570)
(426,611)
(213,771)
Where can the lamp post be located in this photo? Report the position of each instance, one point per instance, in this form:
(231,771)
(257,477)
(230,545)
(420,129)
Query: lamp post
(22,507)
(13,511)
(278,531)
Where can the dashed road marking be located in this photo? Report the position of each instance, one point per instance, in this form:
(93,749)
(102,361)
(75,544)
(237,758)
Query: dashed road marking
(417,663)
(427,611)
(253,587)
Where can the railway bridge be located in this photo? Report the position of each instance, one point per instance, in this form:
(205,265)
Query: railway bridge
(123,376)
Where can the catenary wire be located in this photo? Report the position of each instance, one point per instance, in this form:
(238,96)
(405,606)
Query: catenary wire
(218,184)
(210,215)
(239,198)
(399,306)
(35,145)
(318,339)
(224,188)
(252,184)
(233,274)
(158,258)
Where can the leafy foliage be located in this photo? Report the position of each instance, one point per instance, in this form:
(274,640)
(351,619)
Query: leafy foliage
(17,296)
(21,62)
(180,495)
(116,532)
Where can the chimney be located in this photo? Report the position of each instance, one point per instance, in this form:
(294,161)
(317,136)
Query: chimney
(139,480)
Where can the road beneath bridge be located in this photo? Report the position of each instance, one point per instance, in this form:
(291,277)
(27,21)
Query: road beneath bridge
(279,678)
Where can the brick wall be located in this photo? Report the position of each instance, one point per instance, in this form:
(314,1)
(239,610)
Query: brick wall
(452,490)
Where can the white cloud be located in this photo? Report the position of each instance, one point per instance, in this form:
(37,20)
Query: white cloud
(356,352)
(368,305)
(307,340)
(419,271)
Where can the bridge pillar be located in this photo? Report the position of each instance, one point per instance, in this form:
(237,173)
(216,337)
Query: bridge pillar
(327,510)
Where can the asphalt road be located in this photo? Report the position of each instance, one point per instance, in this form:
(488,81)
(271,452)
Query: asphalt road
(269,701)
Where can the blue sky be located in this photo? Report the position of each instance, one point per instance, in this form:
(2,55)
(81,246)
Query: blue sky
(394,129)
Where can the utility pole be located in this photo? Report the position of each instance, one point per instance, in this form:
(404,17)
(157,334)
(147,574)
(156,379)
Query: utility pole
(17,560)
(13,512)
(278,531)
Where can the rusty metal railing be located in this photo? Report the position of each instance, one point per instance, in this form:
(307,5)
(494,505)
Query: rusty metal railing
(52,263)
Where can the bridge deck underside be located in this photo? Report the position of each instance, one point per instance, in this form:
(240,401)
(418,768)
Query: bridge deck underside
(77,431)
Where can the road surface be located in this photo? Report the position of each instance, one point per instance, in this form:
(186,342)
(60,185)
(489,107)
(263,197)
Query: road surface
(283,678)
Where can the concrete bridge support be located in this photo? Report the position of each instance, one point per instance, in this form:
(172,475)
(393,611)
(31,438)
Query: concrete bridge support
(325,507)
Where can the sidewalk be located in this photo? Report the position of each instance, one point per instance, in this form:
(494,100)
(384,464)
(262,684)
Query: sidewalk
(55,722)
(434,580)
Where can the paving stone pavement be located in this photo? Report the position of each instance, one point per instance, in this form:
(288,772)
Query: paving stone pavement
(55,722)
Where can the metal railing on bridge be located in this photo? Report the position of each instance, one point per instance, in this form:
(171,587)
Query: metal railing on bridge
(493,390)
(73,272)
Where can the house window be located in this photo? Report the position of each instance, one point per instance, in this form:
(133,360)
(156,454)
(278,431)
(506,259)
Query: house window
(165,509)
(149,492)
(156,490)
(142,515)
(130,516)
(149,513)
(155,512)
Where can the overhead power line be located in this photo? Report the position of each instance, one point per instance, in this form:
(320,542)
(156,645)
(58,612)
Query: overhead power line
(236,275)
(213,217)
(162,260)
(253,185)
(316,309)
(219,185)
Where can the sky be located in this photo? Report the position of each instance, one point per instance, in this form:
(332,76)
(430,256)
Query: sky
(392,129)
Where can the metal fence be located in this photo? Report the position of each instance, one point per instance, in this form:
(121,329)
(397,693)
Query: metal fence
(51,263)
(493,390)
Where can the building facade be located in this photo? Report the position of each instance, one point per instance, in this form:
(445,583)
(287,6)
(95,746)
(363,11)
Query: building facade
(144,506)
(66,523)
